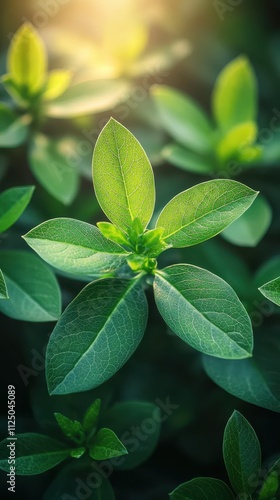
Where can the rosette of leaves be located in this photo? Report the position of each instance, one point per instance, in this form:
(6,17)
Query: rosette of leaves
(103,326)
(105,440)
(22,274)
(222,147)
(38,94)
(242,457)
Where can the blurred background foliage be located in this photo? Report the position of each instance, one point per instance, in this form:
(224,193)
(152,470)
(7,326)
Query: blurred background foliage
(183,44)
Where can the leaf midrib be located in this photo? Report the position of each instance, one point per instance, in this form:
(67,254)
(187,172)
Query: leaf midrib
(122,173)
(122,297)
(205,215)
(77,245)
(161,275)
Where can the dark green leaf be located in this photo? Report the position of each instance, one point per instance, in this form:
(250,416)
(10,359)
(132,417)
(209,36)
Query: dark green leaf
(91,416)
(183,119)
(123,177)
(138,426)
(271,291)
(53,168)
(204,311)
(35,453)
(271,483)
(13,202)
(203,211)
(96,335)
(77,479)
(34,294)
(3,287)
(202,488)
(107,445)
(70,428)
(242,454)
(75,247)
(255,380)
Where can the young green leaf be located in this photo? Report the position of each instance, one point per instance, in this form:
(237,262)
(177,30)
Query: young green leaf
(271,291)
(234,98)
(35,453)
(96,335)
(73,429)
(242,454)
(34,294)
(75,247)
(57,83)
(88,97)
(249,229)
(123,418)
(14,91)
(78,452)
(52,167)
(187,160)
(202,488)
(123,177)
(27,59)
(107,445)
(13,202)
(114,233)
(203,211)
(236,140)
(183,119)
(13,129)
(255,380)
(91,416)
(271,483)
(3,287)
(204,311)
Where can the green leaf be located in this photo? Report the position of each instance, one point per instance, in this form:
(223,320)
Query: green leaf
(15,91)
(107,445)
(75,247)
(242,454)
(183,119)
(13,129)
(237,139)
(124,419)
(96,335)
(27,59)
(3,287)
(271,483)
(234,98)
(73,429)
(113,233)
(255,380)
(78,452)
(204,311)
(57,83)
(34,294)
(186,160)
(13,202)
(88,97)
(203,211)
(271,291)
(53,168)
(35,453)
(249,229)
(91,416)
(90,483)
(202,488)
(123,177)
